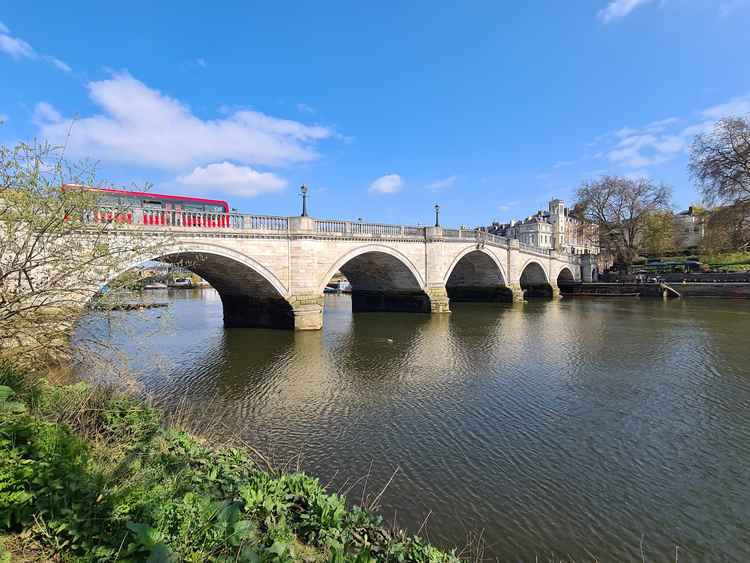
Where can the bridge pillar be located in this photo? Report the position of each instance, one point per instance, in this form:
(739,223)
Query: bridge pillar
(308,312)
(517,291)
(555,291)
(439,301)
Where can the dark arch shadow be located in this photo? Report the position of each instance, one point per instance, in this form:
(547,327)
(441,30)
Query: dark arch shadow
(534,282)
(476,277)
(565,278)
(249,300)
(381,282)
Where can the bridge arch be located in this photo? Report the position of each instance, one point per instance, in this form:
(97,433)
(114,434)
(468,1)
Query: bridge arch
(382,279)
(251,295)
(477,275)
(534,280)
(565,276)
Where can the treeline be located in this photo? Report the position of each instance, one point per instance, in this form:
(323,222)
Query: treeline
(635,215)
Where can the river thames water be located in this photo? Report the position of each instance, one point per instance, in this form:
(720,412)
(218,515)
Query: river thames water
(577,429)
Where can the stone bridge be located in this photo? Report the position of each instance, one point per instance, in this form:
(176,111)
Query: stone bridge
(272,271)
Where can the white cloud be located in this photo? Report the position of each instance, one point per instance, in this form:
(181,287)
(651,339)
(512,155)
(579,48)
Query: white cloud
(442,183)
(388,184)
(647,149)
(3,118)
(736,106)
(142,126)
(304,108)
(19,49)
(508,206)
(46,113)
(60,65)
(619,9)
(16,48)
(661,141)
(231,179)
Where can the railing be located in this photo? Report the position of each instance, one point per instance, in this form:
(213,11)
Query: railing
(534,249)
(331,226)
(157,217)
(376,229)
(264,222)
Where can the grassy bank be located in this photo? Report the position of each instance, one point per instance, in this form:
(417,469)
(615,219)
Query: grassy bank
(90,475)
(731,261)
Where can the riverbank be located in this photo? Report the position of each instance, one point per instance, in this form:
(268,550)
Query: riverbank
(736,290)
(90,474)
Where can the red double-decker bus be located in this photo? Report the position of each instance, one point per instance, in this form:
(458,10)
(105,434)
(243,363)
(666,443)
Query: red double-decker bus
(156,209)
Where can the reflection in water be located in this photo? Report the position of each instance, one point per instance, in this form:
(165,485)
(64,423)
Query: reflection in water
(559,428)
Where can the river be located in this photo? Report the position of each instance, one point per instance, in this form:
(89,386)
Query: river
(578,428)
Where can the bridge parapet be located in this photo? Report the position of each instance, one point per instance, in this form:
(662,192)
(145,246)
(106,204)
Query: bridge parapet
(151,218)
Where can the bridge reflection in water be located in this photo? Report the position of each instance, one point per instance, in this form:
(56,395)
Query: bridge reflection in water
(561,428)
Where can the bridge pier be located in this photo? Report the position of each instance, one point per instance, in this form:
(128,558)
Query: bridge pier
(556,292)
(517,292)
(439,300)
(308,312)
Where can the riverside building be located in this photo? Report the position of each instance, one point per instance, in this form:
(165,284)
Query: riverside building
(558,228)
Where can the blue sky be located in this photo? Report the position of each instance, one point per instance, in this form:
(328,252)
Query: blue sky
(489,108)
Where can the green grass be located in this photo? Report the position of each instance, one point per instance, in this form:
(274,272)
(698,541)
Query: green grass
(89,475)
(730,261)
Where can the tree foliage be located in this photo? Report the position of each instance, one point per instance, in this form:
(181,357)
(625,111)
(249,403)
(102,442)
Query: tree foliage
(720,162)
(621,208)
(720,166)
(660,234)
(53,256)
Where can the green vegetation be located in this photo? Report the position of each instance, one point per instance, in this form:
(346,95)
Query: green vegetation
(730,261)
(90,475)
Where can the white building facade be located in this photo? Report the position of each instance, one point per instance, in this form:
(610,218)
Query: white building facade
(557,228)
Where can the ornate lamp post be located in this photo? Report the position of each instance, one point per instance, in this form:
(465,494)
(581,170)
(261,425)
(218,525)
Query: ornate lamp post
(437,215)
(303,193)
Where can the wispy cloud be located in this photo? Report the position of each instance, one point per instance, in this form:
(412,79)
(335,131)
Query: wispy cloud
(304,108)
(728,7)
(19,49)
(443,183)
(142,126)
(201,62)
(658,142)
(507,206)
(231,179)
(619,9)
(60,65)
(388,184)
(563,164)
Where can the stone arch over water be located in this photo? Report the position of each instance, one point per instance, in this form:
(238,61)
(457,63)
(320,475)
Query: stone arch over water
(250,295)
(382,280)
(477,275)
(534,281)
(565,276)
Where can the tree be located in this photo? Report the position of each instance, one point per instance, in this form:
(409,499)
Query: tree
(54,256)
(720,166)
(621,208)
(660,233)
(720,162)
(726,229)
